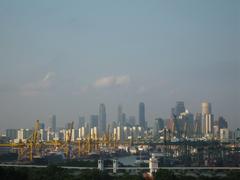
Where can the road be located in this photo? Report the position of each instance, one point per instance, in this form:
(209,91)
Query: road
(126,168)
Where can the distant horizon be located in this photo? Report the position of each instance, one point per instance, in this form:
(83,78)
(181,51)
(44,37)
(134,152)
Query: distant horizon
(87,118)
(65,58)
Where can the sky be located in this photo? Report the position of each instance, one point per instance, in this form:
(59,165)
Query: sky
(67,57)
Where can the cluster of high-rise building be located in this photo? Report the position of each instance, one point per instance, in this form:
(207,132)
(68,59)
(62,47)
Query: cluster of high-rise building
(180,124)
(121,129)
(184,124)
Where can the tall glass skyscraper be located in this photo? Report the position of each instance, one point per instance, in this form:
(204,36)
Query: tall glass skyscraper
(198,124)
(142,122)
(93,121)
(81,121)
(102,119)
(53,123)
(120,115)
(179,108)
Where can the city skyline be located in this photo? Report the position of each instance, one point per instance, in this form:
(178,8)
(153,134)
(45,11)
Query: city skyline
(65,58)
(101,120)
(182,124)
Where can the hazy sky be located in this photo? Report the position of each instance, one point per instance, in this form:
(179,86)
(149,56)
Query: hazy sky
(67,57)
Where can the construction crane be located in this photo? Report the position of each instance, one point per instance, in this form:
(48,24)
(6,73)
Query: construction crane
(18,146)
(67,145)
(32,146)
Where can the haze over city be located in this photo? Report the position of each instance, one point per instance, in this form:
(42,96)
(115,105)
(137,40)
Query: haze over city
(65,58)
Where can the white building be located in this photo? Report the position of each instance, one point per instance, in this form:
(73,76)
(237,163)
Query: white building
(23,135)
(208,124)
(43,135)
(224,135)
(50,135)
(81,132)
(93,133)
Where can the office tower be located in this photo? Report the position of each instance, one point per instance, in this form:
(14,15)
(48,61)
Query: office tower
(120,115)
(74,135)
(68,125)
(142,115)
(172,115)
(189,124)
(126,133)
(132,121)
(81,132)
(23,134)
(94,133)
(20,134)
(124,119)
(186,124)
(87,128)
(222,123)
(28,133)
(198,125)
(224,135)
(206,108)
(215,131)
(237,135)
(170,124)
(81,121)
(112,126)
(102,119)
(207,119)
(52,123)
(43,134)
(119,134)
(137,132)
(158,125)
(179,108)
(93,121)
(41,126)
(11,133)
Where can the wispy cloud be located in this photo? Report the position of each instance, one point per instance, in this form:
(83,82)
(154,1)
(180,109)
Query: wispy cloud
(104,82)
(35,88)
(112,81)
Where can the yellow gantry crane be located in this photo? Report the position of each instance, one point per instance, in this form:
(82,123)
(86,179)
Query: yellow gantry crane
(27,149)
(32,145)
(67,145)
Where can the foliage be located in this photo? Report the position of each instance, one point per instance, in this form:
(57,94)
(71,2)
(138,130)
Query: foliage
(56,173)
(165,175)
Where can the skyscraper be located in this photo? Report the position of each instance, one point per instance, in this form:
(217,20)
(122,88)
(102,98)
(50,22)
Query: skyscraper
(158,125)
(120,115)
(222,123)
(102,119)
(175,115)
(206,108)
(142,115)
(198,124)
(207,118)
(186,122)
(52,123)
(132,121)
(179,108)
(93,121)
(41,126)
(81,121)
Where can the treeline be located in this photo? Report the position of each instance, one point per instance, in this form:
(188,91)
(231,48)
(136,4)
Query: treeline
(56,173)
